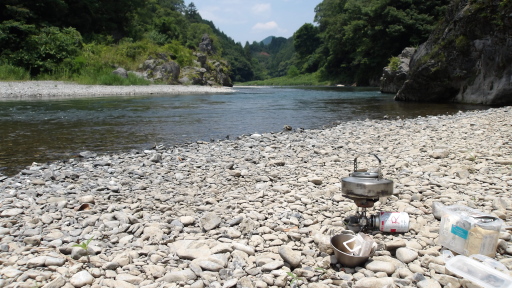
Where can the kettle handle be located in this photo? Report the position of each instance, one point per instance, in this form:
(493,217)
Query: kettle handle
(378,159)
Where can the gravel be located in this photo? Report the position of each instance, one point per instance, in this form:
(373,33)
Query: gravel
(254,212)
(58,89)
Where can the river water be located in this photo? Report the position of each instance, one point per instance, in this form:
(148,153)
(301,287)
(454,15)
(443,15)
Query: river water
(48,130)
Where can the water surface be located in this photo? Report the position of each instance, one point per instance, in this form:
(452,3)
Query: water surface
(47,130)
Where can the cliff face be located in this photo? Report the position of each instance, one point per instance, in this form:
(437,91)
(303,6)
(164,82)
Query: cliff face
(468,59)
(393,78)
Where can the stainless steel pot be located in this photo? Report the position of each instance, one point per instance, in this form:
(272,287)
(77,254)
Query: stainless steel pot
(365,188)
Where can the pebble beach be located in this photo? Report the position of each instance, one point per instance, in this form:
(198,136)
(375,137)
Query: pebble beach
(258,211)
(28,90)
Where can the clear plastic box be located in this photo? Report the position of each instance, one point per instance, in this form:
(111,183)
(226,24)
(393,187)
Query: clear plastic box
(469,231)
(480,270)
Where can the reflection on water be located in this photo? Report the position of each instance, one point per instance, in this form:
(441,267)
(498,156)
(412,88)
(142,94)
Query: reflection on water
(46,130)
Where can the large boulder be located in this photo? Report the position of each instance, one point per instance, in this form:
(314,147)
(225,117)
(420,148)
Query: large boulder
(206,45)
(193,76)
(468,59)
(206,72)
(166,70)
(393,78)
(202,71)
(202,59)
(219,73)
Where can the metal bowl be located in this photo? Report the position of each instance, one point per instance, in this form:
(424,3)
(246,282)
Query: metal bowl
(344,256)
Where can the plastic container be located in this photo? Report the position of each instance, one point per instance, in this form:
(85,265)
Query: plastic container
(479,269)
(469,231)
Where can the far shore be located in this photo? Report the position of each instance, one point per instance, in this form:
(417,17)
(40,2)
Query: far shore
(32,90)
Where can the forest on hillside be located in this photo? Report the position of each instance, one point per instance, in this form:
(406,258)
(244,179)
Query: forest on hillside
(350,41)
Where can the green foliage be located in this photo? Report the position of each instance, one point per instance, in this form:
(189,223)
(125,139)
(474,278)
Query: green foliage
(183,55)
(273,59)
(43,52)
(195,35)
(394,63)
(294,280)
(351,43)
(12,37)
(13,73)
(293,71)
(106,77)
(192,14)
(157,37)
(312,79)
(306,40)
(361,35)
(462,44)
(84,245)
(37,50)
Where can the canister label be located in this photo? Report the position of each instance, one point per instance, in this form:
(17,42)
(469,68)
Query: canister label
(394,222)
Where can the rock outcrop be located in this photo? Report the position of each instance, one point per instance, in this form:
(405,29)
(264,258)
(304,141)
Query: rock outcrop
(206,45)
(393,78)
(162,69)
(204,71)
(468,59)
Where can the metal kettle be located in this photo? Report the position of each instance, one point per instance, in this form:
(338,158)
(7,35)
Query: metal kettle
(365,188)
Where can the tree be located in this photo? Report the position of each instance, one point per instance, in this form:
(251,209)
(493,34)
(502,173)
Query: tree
(306,40)
(361,35)
(293,71)
(191,13)
(247,51)
(44,51)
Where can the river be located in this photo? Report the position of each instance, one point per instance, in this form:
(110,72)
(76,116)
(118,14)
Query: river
(48,130)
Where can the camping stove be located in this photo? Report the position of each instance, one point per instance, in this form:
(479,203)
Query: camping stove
(365,188)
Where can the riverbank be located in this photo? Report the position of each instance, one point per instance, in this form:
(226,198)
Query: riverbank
(244,213)
(57,89)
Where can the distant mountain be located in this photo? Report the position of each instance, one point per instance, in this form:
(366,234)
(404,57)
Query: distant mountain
(267,40)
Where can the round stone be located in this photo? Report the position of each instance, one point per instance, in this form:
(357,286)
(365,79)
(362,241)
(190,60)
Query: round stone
(406,255)
(81,279)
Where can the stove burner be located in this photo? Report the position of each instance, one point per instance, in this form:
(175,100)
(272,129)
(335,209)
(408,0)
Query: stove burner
(364,188)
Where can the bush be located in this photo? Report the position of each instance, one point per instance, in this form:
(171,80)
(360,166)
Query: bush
(462,44)
(183,55)
(104,76)
(293,72)
(394,63)
(301,80)
(43,52)
(13,73)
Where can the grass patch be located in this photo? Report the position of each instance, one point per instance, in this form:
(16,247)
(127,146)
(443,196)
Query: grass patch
(13,73)
(106,77)
(394,63)
(94,64)
(300,80)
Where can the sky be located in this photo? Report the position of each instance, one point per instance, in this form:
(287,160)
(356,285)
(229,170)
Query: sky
(255,20)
